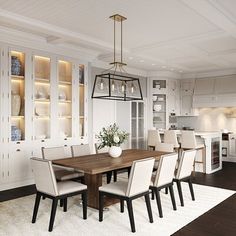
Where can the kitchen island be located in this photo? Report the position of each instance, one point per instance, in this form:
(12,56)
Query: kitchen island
(213,156)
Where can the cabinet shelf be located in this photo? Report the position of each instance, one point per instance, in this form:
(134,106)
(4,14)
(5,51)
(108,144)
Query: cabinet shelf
(42,81)
(64,101)
(17,78)
(81,85)
(65,117)
(42,117)
(65,83)
(17,117)
(42,100)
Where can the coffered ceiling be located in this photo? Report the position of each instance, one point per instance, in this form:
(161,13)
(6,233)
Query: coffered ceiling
(175,35)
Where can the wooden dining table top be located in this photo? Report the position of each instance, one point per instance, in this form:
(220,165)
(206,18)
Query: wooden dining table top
(102,162)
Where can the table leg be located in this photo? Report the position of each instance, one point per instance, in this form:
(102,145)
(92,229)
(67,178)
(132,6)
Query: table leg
(93,182)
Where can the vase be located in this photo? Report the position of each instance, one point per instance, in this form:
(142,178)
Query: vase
(15,66)
(115,151)
(15,104)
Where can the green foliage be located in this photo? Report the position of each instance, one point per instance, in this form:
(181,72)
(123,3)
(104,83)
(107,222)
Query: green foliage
(111,136)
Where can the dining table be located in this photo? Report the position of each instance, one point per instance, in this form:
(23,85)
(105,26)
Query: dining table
(95,165)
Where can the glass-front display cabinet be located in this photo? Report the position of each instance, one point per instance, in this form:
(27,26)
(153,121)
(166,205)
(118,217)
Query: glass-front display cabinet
(81,101)
(17,99)
(42,101)
(159,110)
(65,98)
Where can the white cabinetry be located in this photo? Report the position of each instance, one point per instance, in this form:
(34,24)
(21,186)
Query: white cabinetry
(186,100)
(43,103)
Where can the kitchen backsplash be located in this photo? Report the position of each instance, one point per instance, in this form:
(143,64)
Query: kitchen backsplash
(210,119)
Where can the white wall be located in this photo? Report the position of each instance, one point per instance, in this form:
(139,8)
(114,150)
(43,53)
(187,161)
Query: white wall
(210,119)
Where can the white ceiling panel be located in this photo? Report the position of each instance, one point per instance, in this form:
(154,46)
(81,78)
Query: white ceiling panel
(158,34)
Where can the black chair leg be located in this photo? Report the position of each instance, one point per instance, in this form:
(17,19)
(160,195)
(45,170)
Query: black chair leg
(129,168)
(191,189)
(109,175)
(131,214)
(65,204)
(158,199)
(84,199)
(115,176)
(149,209)
(36,207)
(172,197)
(180,192)
(152,194)
(122,205)
(53,214)
(166,190)
(100,206)
(61,202)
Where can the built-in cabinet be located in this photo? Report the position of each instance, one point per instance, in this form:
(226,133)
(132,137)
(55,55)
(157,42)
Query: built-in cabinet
(43,103)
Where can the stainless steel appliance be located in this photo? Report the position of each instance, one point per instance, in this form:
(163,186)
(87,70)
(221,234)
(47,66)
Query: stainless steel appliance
(232,145)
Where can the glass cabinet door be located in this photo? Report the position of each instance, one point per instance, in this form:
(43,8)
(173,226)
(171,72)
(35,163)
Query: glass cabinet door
(159,110)
(42,108)
(65,98)
(81,101)
(17,104)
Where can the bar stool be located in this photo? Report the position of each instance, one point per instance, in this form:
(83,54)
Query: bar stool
(153,138)
(170,136)
(188,141)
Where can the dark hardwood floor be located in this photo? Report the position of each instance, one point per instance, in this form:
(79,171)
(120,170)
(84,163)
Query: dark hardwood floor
(219,221)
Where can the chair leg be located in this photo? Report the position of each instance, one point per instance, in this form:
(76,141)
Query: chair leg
(65,204)
(191,189)
(129,168)
(131,214)
(36,207)
(152,194)
(115,176)
(172,197)
(61,202)
(100,206)
(53,214)
(166,190)
(122,205)
(149,209)
(180,192)
(158,199)
(109,175)
(84,199)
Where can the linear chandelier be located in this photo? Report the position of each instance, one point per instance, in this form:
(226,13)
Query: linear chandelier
(115,83)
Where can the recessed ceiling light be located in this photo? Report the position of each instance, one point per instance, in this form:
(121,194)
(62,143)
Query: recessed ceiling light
(163,67)
(180,71)
(172,69)
(131,58)
(153,64)
(141,60)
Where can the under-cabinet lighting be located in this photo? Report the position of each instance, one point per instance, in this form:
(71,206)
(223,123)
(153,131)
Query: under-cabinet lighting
(46,83)
(17,80)
(42,101)
(15,52)
(17,117)
(42,58)
(66,62)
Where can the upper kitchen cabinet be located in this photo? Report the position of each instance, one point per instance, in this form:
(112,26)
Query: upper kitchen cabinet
(159,86)
(173,97)
(186,97)
(42,97)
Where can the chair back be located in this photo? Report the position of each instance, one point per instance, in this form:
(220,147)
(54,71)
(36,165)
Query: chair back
(188,139)
(166,169)
(186,162)
(153,137)
(80,150)
(140,176)
(53,153)
(170,136)
(164,147)
(102,150)
(44,176)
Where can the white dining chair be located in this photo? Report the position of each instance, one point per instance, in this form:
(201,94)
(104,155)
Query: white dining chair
(164,179)
(47,186)
(184,172)
(80,150)
(170,136)
(136,186)
(61,173)
(153,138)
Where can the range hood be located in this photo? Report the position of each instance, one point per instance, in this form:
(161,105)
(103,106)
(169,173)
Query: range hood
(215,92)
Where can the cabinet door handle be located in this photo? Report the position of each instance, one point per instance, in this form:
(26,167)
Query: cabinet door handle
(18,150)
(17,142)
(42,141)
(65,138)
(65,145)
